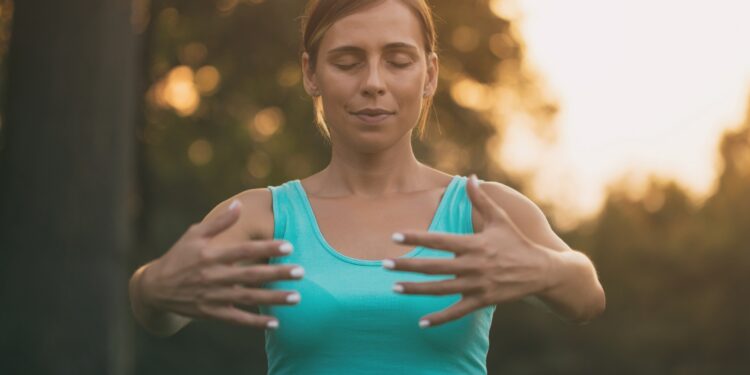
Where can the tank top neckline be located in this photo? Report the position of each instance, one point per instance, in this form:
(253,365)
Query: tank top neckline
(297,184)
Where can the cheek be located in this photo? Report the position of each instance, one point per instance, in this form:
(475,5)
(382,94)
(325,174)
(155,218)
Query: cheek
(336,84)
(408,91)
(409,84)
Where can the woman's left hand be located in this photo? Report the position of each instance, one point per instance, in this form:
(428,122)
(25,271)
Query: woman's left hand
(498,264)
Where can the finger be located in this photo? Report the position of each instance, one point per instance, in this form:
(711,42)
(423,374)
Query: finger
(251,296)
(456,243)
(257,275)
(252,250)
(432,266)
(221,222)
(439,288)
(486,206)
(231,314)
(459,309)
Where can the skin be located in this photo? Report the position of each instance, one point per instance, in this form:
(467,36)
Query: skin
(373,172)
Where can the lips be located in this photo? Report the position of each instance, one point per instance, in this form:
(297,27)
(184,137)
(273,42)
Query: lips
(372,115)
(373,119)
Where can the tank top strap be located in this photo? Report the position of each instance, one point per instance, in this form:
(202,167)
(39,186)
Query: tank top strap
(283,205)
(457,218)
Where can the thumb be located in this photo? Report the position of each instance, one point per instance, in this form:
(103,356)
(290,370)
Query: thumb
(222,221)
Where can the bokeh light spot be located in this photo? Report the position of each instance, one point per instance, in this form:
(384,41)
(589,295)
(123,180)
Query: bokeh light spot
(200,152)
(266,123)
(465,38)
(207,79)
(259,164)
(180,92)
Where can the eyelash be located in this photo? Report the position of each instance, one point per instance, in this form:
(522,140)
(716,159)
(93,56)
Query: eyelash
(349,67)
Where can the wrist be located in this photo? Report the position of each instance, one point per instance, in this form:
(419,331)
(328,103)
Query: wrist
(143,297)
(146,286)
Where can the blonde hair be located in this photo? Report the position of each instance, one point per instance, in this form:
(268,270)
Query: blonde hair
(321,14)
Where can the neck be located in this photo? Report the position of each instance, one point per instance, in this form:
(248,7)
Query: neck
(375,174)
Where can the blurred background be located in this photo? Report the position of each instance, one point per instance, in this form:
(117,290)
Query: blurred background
(122,122)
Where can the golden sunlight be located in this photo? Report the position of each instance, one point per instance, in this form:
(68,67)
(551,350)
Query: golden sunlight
(645,87)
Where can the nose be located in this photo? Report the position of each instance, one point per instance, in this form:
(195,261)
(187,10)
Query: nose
(374,85)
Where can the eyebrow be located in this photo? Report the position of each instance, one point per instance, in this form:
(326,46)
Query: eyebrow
(389,46)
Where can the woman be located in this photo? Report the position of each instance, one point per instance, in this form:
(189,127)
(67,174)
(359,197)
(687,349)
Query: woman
(380,294)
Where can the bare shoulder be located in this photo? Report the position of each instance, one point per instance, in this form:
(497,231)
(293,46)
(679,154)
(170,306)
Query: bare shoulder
(258,212)
(256,217)
(511,200)
(525,214)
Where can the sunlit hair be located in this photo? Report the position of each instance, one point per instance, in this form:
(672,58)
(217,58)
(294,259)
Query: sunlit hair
(321,14)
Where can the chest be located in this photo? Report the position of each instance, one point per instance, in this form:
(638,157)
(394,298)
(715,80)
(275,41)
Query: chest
(362,229)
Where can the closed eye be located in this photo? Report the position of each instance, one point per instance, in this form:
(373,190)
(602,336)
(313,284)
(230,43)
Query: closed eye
(351,66)
(404,65)
(345,67)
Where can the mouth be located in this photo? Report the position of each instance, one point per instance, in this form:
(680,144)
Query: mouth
(372,117)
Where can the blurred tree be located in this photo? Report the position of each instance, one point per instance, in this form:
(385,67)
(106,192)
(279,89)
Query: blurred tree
(6,15)
(64,192)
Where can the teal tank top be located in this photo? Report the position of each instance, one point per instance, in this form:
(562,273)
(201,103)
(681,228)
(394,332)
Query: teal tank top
(349,320)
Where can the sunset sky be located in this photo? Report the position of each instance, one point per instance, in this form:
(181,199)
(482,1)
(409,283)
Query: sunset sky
(643,85)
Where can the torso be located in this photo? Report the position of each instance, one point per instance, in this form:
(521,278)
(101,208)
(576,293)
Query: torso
(361,228)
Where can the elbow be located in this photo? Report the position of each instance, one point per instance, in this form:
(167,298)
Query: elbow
(593,309)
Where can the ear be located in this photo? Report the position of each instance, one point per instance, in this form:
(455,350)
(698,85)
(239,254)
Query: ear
(430,85)
(308,76)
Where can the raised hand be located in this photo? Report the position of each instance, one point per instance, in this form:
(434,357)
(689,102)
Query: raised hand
(498,264)
(200,280)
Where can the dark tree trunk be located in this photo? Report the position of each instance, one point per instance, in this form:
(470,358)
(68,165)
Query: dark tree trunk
(66,186)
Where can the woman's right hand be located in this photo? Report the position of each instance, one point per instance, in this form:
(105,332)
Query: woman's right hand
(198,279)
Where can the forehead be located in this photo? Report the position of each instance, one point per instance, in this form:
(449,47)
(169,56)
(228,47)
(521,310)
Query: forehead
(375,26)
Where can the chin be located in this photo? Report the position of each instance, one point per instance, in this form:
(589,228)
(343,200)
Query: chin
(368,142)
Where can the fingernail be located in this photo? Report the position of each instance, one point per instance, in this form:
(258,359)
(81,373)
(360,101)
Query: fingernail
(297,272)
(387,263)
(474,180)
(286,248)
(273,324)
(398,288)
(235,203)
(293,297)
(424,323)
(398,237)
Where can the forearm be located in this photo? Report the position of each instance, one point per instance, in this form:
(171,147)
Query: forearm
(575,293)
(156,322)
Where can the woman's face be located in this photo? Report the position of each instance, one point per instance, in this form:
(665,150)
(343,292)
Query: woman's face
(372,59)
